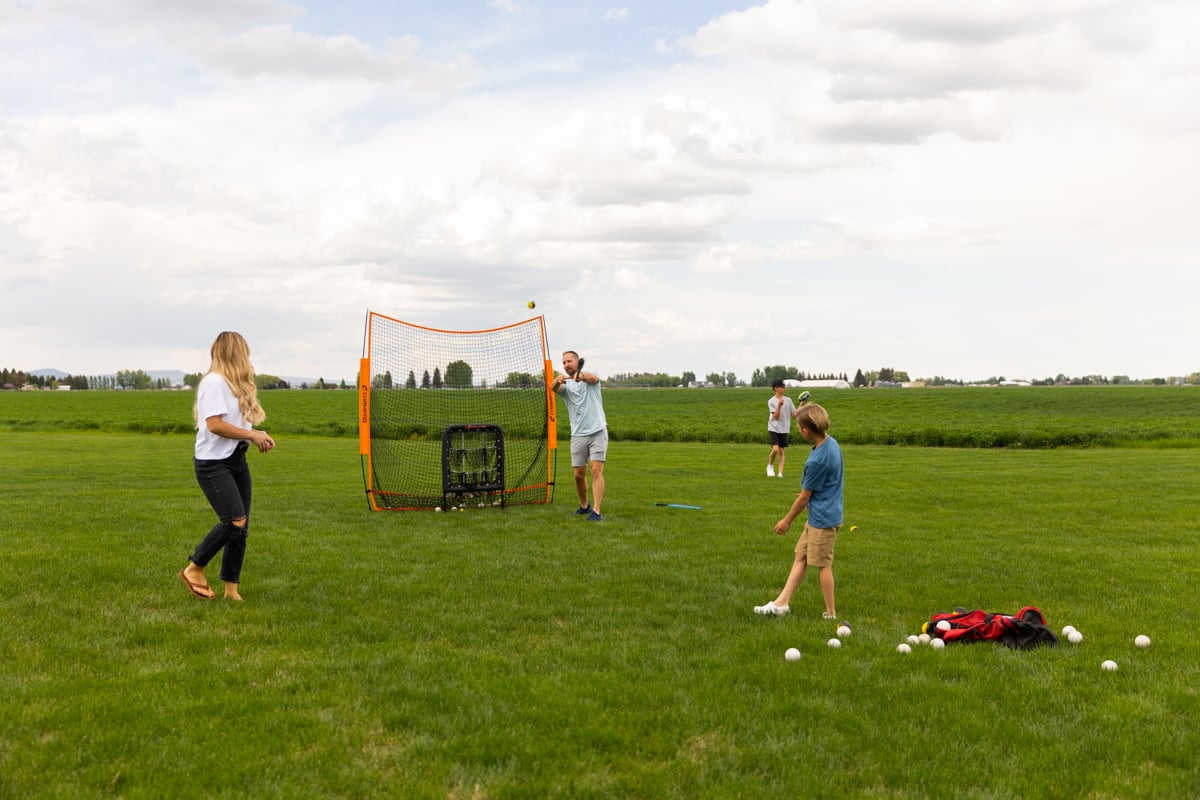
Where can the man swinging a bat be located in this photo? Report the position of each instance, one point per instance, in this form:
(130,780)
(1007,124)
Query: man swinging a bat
(589,431)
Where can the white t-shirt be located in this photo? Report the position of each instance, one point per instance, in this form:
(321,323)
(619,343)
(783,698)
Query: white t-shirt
(214,398)
(784,423)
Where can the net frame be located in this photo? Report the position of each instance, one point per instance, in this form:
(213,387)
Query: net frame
(401,427)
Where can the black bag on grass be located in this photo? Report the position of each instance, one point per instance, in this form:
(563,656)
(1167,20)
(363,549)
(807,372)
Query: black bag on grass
(1026,628)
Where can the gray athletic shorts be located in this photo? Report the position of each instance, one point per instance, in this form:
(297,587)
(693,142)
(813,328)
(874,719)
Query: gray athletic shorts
(593,447)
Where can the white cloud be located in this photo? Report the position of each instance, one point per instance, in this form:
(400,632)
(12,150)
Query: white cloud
(671,204)
(280,50)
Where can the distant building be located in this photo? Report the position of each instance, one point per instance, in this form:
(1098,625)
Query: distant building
(827,384)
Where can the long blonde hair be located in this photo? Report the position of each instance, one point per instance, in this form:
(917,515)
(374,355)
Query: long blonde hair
(231,360)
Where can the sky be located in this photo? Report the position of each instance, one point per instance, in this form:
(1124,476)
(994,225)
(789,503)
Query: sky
(966,190)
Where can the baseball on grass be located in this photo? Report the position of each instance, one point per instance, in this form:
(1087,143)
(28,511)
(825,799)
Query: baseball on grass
(904,649)
(438,509)
(924,637)
(914,639)
(1142,641)
(792,654)
(844,631)
(1074,637)
(1108,666)
(1067,630)
(937,644)
(532,304)
(835,643)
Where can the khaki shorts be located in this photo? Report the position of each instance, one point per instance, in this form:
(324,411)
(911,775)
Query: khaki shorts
(816,545)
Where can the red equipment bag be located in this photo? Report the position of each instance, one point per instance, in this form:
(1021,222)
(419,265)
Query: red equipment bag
(1026,628)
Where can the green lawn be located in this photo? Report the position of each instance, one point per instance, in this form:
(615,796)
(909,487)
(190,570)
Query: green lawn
(1025,417)
(523,652)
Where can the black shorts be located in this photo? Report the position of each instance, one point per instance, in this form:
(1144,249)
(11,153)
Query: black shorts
(778,439)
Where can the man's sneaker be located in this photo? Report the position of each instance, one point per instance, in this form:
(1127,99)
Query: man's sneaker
(772,610)
(585,510)
(594,517)
(770,470)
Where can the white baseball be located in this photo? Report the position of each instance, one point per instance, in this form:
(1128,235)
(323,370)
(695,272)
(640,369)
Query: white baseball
(1109,666)
(835,643)
(904,649)
(792,654)
(1142,641)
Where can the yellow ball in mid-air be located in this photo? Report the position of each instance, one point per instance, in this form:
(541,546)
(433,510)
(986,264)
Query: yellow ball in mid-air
(532,304)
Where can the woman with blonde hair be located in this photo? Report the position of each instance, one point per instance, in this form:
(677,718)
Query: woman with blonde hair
(226,411)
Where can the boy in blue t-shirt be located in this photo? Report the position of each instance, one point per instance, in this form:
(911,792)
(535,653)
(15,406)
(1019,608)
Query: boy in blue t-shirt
(821,494)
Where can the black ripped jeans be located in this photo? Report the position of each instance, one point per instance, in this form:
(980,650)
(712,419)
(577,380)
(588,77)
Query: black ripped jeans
(226,484)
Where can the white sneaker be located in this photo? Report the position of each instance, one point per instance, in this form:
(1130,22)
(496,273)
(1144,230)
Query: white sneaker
(772,610)
(770,470)
(780,475)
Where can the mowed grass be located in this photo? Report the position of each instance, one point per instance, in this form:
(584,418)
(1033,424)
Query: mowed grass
(1010,416)
(523,652)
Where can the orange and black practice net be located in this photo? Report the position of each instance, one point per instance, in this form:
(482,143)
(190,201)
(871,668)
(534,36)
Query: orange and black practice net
(455,418)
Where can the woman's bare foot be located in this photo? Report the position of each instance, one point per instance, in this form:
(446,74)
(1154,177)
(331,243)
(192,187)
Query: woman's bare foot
(231,593)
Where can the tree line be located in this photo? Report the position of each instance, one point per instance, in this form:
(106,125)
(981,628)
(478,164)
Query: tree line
(460,375)
(136,379)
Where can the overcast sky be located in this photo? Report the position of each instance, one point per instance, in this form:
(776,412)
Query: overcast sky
(965,189)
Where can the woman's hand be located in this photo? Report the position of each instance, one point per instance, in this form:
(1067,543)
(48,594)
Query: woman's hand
(263,441)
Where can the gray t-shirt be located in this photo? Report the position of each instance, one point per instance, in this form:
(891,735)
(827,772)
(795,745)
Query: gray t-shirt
(585,407)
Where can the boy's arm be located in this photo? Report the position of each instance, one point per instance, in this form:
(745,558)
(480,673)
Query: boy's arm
(799,505)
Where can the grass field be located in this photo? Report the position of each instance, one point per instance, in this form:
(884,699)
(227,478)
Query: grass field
(525,653)
(1026,417)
